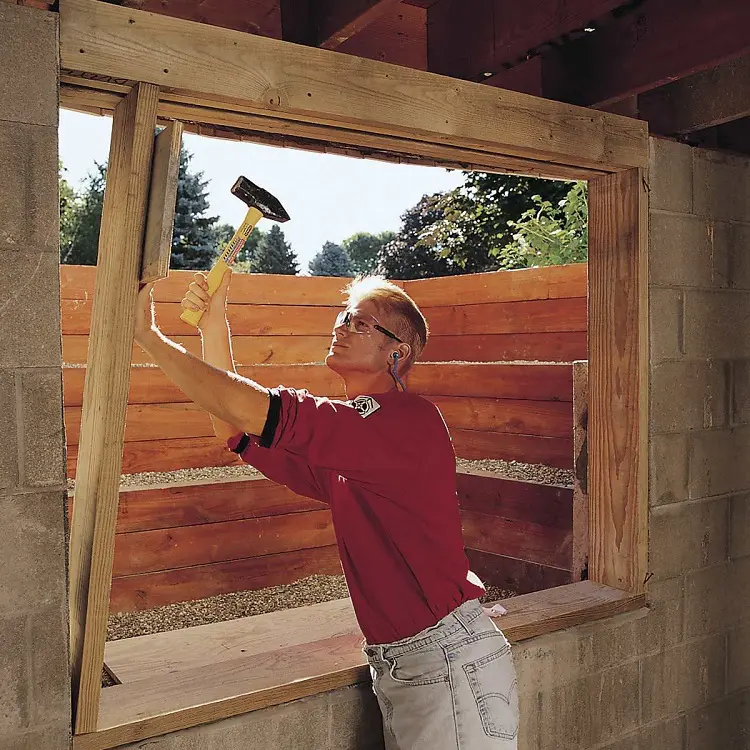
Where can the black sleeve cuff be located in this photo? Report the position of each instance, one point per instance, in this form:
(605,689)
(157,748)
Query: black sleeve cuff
(272,420)
(244,441)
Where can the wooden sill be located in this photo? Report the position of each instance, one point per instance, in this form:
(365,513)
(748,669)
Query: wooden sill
(181,679)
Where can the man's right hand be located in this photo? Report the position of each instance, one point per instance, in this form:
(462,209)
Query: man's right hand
(214,308)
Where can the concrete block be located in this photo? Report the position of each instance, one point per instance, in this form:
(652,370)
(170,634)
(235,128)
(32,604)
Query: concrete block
(665,323)
(667,468)
(716,325)
(30,50)
(52,737)
(739,402)
(43,436)
(354,719)
(8,434)
(667,735)
(738,585)
(687,250)
(687,536)
(719,726)
(32,537)
(670,175)
(688,396)
(739,717)
(14,675)
(739,527)
(29,210)
(721,185)
(50,679)
(718,462)
(738,237)
(618,691)
(706,601)
(683,678)
(738,660)
(30,294)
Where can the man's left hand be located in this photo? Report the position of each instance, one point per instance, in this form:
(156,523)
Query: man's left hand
(145,320)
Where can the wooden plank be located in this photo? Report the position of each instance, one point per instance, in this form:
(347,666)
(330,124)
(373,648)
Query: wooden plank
(204,544)
(93,525)
(652,45)
(143,709)
(549,282)
(561,346)
(506,498)
(157,244)
(145,656)
(535,316)
(303,83)
(338,20)
(247,350)
(618,381)
(512,574)
(534,382)
(188,584)
(497,33)
(704,100)
(149,385)
(580,465)
(545,418)
(530,449)
(523,540)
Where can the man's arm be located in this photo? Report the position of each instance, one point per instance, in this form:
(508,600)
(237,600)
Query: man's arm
(236,401)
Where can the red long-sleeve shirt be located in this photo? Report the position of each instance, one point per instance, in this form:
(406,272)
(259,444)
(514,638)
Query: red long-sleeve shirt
(385,465)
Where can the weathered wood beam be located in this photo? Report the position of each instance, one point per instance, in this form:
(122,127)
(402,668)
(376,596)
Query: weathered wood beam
(731,136)
(106,394)
(701,101)
(215,67)
(329,23)
(654,44)
(475,40)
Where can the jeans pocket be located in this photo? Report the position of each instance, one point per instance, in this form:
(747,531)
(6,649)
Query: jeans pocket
(424,666)
(493,684)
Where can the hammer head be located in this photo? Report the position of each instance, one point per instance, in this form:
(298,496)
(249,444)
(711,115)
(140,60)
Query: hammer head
(257,197)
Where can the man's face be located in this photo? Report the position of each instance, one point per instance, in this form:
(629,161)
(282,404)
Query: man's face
(360,347)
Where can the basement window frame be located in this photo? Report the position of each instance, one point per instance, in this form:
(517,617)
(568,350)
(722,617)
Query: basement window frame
(617,316)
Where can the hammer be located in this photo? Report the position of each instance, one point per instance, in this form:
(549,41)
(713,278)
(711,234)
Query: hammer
(261,204)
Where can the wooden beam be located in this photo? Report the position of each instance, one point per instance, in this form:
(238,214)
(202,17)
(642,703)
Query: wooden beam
(701,101)
(654,44)
(338,20)
(475,40)
(105,397)
(157,245)
(618,380)
(208,65)
(731,136)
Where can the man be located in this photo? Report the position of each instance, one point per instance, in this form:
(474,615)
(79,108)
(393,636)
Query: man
(442,672)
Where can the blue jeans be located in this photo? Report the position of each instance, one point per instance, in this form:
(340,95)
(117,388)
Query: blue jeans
(450,687)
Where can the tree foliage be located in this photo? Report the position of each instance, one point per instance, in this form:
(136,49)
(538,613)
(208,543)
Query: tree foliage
(273,254)
(332,260)
(363,249)
(79,229)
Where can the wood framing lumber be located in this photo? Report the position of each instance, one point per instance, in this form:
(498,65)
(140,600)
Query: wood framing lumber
(580,465)
(701,101)
(618,380)
(157,245)
(105,398)
(267,76)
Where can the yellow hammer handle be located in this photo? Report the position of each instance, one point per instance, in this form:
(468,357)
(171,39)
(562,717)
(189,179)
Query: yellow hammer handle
(226,259)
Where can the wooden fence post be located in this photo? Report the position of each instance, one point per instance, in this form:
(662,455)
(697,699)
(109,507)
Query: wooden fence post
(581,468)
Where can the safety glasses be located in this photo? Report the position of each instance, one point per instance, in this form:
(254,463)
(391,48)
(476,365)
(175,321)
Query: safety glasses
(362,324)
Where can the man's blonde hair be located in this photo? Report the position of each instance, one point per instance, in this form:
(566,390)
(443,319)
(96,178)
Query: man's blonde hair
(390,299)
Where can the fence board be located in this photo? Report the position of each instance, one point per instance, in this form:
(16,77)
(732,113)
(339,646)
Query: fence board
(561,346)
(186,546)
(552,282)
(545,545)
(531,449)
(520,576)
(188,584)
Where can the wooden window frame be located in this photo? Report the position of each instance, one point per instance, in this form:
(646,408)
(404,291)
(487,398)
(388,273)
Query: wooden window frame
(143,68)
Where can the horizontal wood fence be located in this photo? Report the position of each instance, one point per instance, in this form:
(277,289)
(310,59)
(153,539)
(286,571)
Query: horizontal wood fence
(186,542)
(281,332)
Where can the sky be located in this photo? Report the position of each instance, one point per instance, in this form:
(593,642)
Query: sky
(328,197)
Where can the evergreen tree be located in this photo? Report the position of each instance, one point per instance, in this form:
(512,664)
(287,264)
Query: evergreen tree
(274,254)
(242,263)
(68,210)
(363,249)
(194,240)
(332,260)
(79,237)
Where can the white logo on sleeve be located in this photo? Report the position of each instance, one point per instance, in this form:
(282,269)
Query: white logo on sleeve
(365,405)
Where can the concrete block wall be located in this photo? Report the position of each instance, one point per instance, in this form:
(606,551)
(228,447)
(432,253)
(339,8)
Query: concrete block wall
(34,681)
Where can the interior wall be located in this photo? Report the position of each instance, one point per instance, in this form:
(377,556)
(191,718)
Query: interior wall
(34,681)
